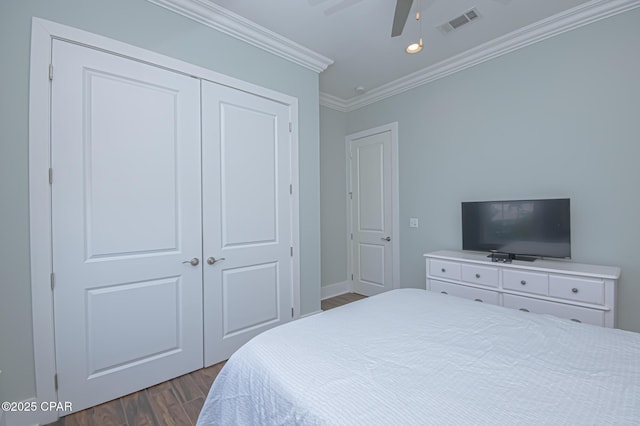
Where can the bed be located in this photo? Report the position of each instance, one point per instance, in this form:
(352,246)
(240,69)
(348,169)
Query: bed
(413,357)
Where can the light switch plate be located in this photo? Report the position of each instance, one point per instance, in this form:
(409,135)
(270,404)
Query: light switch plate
(413,222)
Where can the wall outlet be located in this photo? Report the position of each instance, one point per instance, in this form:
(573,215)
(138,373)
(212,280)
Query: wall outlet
(413,222)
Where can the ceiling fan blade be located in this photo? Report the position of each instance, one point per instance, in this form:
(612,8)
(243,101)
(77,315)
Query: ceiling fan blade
(403,7)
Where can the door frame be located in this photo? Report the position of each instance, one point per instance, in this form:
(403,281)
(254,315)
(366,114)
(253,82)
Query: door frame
(395,199)
(43,32)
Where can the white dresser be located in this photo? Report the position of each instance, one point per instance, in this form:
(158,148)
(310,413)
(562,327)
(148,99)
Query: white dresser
(578,292)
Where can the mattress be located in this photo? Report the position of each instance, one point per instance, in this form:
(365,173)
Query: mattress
(412,357)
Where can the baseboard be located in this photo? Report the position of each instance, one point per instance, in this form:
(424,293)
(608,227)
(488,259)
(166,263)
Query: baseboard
(310,314)
(335,289)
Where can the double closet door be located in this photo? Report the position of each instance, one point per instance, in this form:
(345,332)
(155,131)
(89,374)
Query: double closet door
(171,222)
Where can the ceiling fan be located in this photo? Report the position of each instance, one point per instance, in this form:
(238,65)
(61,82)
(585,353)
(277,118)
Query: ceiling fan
(403,7)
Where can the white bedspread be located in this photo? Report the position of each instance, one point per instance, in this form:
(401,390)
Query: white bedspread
(412,357)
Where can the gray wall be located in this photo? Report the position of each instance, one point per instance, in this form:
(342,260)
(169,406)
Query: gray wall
(333,203)
(556,119)
(143,24)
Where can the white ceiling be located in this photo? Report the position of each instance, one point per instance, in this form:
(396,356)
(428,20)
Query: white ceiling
(356,34)
(349,41)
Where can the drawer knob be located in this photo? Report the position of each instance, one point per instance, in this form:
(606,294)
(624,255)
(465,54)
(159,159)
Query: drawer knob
(524,310)
(443,270)
(477,275)
(444,292)
(478,300)
(523,282)
(574,290)
(575,320)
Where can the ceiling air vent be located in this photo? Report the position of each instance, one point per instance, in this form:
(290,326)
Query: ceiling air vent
(459,21)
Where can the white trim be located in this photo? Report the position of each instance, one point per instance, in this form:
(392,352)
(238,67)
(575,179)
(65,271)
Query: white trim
(210,14)
(395,196)
(40,216)
(334,102)
(335,289)
(310,314)
(395,200)
(295,205)
(348,198)
(42,34)
(566,21)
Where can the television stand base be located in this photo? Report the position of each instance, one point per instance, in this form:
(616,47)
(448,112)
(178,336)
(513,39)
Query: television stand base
(473,276)
(509,257)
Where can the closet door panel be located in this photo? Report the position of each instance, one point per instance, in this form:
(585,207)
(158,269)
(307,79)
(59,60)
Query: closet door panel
(126,216)
(248,177)
(246,217)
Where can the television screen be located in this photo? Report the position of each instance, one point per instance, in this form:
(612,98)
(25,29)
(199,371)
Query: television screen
(523,227)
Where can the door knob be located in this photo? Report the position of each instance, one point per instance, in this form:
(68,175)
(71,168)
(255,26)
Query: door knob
(213,260)
(193,262)
(386,238)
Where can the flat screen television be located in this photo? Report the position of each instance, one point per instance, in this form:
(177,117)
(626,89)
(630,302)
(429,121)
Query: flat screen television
(519,229)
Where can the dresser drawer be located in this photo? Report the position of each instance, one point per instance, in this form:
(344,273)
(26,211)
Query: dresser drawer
(527,282)
(444,269)
(477,294)
(479,275)
(585,293)
(574,313)
(579,289)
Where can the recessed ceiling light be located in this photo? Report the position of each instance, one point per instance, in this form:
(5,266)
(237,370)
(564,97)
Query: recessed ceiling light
(414,47)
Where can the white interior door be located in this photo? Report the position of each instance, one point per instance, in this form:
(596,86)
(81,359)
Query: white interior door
(372,213)
(246,156)
(126,209)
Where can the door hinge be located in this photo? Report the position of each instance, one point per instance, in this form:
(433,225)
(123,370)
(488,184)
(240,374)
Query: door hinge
(290,127)
(291,312)
(50,176)
(291,250)
(352,235)
(50,72)
(55,381)
(291,189)
(351,277)
(351,195)
(53,283)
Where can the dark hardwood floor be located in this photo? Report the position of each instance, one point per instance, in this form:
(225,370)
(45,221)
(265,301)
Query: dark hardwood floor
(175,402)
(343,299)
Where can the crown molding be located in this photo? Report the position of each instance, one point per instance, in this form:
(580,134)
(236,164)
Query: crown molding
(334,102)
(210,14)
(569,20)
